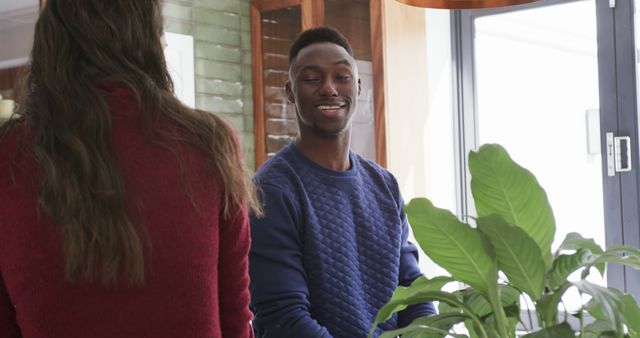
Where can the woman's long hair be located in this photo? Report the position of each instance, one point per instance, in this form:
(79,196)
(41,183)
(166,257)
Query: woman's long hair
(78,43)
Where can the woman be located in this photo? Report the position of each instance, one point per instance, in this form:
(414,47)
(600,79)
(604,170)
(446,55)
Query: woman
(123,213)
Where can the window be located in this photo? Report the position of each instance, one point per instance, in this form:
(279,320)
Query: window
(562,80)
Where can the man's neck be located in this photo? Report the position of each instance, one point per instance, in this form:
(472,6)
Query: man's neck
(329,152)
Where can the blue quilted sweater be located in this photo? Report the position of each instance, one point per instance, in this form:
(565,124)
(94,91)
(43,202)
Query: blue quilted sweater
(330,250)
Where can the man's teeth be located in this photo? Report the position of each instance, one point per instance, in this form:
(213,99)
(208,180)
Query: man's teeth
(329,107)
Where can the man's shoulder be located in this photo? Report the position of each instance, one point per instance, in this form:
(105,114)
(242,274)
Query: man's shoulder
(278,171)
(374,170)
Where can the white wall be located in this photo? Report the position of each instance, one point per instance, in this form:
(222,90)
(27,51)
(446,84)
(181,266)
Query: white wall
(419,103)
(418,98)
(15,44)
(439,146)
(405,95)
(179,55)
(16,35)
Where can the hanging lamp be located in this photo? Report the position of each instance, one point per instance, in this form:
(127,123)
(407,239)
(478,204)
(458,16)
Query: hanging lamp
(463,4)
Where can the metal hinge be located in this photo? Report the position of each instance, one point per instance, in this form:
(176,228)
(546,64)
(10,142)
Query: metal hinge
(612,3)
(618,154)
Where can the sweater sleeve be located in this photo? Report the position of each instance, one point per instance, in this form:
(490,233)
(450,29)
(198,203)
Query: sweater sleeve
(280,297)
(409,271)
(233,293)
(8,326)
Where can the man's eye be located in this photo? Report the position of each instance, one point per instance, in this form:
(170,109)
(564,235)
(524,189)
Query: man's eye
(311,80)
(343,77)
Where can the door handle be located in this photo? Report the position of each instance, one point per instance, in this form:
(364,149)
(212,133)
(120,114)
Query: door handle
(618,154)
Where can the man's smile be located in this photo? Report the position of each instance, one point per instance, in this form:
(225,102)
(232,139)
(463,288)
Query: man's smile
(330,110)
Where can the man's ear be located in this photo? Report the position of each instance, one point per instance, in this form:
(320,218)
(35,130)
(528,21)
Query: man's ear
(359,86)
(289,92)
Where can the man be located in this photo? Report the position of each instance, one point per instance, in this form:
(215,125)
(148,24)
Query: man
(332,246)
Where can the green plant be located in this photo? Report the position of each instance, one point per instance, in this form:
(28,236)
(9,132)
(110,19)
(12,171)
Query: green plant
(512,234)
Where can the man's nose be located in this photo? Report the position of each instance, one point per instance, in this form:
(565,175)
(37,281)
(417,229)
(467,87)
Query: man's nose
(328,88)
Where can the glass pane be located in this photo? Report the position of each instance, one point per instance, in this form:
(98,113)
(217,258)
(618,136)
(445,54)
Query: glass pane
(17,22)
(279,28)
(537,95)
(352,18)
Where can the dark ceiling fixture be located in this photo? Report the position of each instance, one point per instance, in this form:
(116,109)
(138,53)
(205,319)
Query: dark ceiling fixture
(463,4)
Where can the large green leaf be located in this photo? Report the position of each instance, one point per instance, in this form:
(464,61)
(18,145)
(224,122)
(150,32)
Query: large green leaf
(444,321)
(444,307)
(403,296)
(500,186)
(621,254)
(625,304)
(453,245)
(479,304)
(420,330)
(565,265)
(518,255)
(631,315)
(426,296)
(558,331)
(609,257)
(598,329)
(575,241)
(461,250)
(609,303)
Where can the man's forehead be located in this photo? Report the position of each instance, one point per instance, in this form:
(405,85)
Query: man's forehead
(323,50)
(322,54)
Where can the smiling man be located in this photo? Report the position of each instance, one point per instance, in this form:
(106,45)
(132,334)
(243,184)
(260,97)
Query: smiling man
(332,246)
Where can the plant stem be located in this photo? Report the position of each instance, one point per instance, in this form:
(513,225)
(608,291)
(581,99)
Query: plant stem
(498,310)
(581,320)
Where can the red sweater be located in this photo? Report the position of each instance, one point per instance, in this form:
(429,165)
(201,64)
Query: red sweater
(196,279)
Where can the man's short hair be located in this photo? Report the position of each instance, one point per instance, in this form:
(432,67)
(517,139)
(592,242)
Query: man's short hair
(318,35)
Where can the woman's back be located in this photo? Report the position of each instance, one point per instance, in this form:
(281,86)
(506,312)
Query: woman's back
(195,263)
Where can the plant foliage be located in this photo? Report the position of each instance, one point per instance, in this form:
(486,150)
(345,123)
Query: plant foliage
(510,238)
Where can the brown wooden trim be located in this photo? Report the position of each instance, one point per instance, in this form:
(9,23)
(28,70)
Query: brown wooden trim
(380,125)
(258,85)
(312,13)
(270,5)
(318,10)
